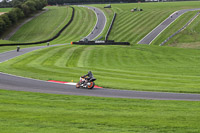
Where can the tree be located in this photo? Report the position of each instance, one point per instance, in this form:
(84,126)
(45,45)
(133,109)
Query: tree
(6,20)
(19,13)
(26,10)
(12,16)
(31,4)
(2,25)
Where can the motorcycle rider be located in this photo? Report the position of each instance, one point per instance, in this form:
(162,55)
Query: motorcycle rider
(87,77)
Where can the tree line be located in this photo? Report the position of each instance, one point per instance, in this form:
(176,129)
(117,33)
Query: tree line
(62,2)
(22,9)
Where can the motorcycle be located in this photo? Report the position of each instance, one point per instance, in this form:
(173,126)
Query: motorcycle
(90,84)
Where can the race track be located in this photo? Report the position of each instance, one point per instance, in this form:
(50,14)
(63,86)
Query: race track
(100,24)
(11,82)
(148,39)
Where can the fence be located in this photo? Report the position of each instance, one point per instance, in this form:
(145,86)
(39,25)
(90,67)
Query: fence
(110,28)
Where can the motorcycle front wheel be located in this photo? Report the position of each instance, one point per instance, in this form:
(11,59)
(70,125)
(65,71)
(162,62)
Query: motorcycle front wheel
(91,85)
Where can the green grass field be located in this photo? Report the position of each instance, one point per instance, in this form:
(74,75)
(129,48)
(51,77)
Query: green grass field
(35,112)
(5,9)
(149,68)
(135,67)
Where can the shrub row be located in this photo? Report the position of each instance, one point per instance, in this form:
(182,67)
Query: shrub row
(19,12)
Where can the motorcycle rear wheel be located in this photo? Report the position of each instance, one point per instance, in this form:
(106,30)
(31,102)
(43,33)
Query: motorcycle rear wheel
(78,84)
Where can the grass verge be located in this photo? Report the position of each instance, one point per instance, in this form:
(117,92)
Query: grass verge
(35,112)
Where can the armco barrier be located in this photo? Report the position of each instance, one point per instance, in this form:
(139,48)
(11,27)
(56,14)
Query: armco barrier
(192,19)
(110,42)
(110,28)
(45,41)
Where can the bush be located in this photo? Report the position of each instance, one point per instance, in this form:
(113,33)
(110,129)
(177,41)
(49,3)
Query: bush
(6,20)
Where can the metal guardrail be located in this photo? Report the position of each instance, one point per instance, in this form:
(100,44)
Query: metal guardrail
(188,23)
(48,40)
(110,28)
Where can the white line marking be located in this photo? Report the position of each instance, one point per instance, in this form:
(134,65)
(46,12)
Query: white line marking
(70,83)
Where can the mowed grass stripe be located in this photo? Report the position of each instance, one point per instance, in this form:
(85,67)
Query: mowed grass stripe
(133,30)
(130,18)
(135,24)
(97,60)
(44,26)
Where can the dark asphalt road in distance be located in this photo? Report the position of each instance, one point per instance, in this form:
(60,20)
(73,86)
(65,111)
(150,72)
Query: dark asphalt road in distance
(100,24)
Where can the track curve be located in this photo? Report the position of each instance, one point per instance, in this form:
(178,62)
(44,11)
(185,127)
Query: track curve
(11,82)
(100,24)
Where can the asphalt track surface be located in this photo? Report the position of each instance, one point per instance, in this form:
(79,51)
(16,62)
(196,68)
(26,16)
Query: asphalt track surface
(161,27)
(100,24)
(11,82)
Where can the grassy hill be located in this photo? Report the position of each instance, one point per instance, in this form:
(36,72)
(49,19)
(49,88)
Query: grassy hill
(48,24)
(149,68)
(83,23)
(132,27)
(44,26)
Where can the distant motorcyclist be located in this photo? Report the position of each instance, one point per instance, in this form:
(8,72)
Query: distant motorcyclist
(87,77)
(18,48)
